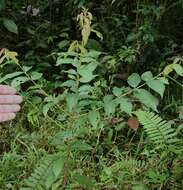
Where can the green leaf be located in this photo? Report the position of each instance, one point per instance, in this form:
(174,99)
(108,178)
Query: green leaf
(61,61)
(84,181)
(50,179)
(47,107)
(69,83)
(18,81)
(109,105)
(58,166)
(157,85)
(26,68)
(164,80)
(87,59)
(178,69)
(125,105)
(10,76)
(87,78)
(134,80)
(94,118)
(35,75)
(93,54)
(86,72)
(81,146)
(63,44)
(92,66)
(85,90)
(99,35)
(117,91)
(147,76)
(10,26)
(147,99)
(72,100)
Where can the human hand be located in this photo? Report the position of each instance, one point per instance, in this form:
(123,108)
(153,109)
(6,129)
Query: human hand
(9,103)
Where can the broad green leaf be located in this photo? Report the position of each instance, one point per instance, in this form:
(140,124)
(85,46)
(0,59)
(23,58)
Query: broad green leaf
(35,75)
(71,71)
(109,105)
(178,69)
(72,100)
(117,91)
(164,80)
(69,83)
(61,61)
(94,118)
(18,81)
(147,76)
(92,66)
(93,54)
(81,146)
(134,80)
(147,99)
(87,78)
(85,89)
(58,166)
(10,76)
(157,85)
(87,60)
(125,105)
(10,26)
(26,68)
(86,72)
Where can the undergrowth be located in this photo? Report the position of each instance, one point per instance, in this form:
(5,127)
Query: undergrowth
(102,96)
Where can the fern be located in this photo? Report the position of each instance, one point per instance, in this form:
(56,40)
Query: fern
(36,180)
(159,131)
(128,166)
(133,164)
(46,174)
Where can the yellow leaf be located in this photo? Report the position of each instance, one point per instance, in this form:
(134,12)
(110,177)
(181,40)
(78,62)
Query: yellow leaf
(84,19)
(168,69)
(11,55)
(73,46)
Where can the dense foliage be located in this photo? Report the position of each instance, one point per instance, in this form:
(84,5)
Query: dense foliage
(102,88)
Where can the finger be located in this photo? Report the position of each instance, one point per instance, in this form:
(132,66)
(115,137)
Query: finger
(4,89)
(9,108)
(10,99)
(6,116)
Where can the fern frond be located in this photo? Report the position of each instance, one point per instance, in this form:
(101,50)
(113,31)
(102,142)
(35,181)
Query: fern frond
(129,164)
(34,182)
(158,130)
